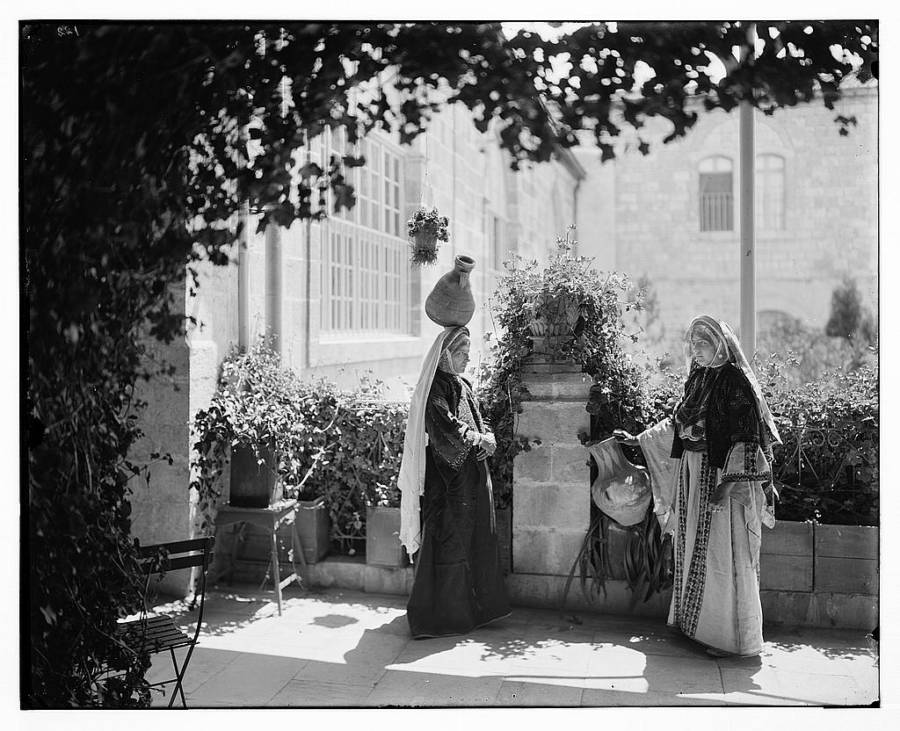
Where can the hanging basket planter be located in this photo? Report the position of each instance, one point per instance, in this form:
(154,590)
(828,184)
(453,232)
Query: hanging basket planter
(425,229)
(424,247)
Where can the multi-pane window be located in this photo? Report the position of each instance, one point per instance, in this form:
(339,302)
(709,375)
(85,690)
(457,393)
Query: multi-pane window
(769,196)
(716,194)
(391,181)
(365,264)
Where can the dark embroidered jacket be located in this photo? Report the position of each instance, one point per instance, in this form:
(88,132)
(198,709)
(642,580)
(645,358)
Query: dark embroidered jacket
(451,412)
(731,415)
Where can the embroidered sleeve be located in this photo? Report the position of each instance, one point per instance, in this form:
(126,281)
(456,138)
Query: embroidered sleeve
(744,479)
(446,433)
(746,462)
(740,411)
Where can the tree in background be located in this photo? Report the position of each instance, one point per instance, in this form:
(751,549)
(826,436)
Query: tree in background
(141,144)
(849,318)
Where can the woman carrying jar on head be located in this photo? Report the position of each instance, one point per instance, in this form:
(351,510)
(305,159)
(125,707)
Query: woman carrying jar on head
(447,506)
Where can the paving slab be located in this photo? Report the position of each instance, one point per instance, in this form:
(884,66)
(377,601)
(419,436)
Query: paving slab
(340,648)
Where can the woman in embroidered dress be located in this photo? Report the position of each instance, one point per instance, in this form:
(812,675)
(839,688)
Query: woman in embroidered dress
(458,583)
(721,434)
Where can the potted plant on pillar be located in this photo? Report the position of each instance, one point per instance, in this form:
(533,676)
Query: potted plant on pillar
(555,314)
(555,318)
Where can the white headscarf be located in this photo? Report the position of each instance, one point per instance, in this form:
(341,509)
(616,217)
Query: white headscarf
(729,348)
(411,479)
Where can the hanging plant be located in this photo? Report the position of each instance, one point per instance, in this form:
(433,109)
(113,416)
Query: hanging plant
(425,229)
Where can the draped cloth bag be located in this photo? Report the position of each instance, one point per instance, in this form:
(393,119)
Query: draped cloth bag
(656,444)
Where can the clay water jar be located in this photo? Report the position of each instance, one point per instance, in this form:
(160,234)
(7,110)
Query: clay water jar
(621,489)
(450,303)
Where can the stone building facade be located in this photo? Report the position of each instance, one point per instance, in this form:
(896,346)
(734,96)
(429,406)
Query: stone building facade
(817,212)
(341,297)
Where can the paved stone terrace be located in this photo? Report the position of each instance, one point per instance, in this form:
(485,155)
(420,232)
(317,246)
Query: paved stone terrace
(337,648)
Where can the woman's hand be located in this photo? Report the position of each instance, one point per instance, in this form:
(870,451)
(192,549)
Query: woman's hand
(624,437)
(485,443)
(471,436)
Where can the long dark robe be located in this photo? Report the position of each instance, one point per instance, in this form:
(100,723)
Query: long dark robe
(458,583)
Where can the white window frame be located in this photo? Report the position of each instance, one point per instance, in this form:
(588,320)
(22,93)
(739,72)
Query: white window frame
(365,262)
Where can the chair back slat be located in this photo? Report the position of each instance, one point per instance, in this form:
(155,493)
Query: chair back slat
(194,544)
(180,555)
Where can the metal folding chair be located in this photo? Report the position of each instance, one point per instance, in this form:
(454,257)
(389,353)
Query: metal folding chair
(158,634)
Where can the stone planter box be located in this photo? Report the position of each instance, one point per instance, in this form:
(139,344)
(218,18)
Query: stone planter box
(383,538)
(820,575)
(253,550)
(810,575)
(313,527)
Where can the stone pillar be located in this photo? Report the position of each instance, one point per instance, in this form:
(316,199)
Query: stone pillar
(551,482)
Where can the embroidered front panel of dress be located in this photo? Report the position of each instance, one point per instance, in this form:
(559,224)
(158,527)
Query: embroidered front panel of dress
(449,443)
(693,436)
(696,578)
(468,410)
(682,497)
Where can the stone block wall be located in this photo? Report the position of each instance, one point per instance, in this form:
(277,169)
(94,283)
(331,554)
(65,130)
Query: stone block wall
(161,506)
(551,490)
(820,575)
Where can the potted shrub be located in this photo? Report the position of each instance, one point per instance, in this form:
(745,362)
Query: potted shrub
(363,463)
(425,228)
(273,429)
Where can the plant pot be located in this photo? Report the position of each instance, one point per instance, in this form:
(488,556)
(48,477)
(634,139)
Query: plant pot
(547,347)
(555,318)
(383,546)
(253,485)
(450,303)
(424,247)
(313,529)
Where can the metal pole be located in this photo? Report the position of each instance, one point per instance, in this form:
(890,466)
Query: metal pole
(273,284)
(244,281)
(748,253)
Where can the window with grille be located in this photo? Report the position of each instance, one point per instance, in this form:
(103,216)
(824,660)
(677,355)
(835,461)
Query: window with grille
(365,263)
(769,196)
(716,194)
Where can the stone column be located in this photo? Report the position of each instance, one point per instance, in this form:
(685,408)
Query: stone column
(551,482)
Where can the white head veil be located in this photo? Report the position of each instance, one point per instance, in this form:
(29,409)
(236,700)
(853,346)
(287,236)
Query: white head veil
(727,340)
(411,479)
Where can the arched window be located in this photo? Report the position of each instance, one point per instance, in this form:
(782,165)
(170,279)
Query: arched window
(769,192)
(716,194)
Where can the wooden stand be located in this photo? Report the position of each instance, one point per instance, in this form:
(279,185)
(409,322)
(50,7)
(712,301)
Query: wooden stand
(270,519)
